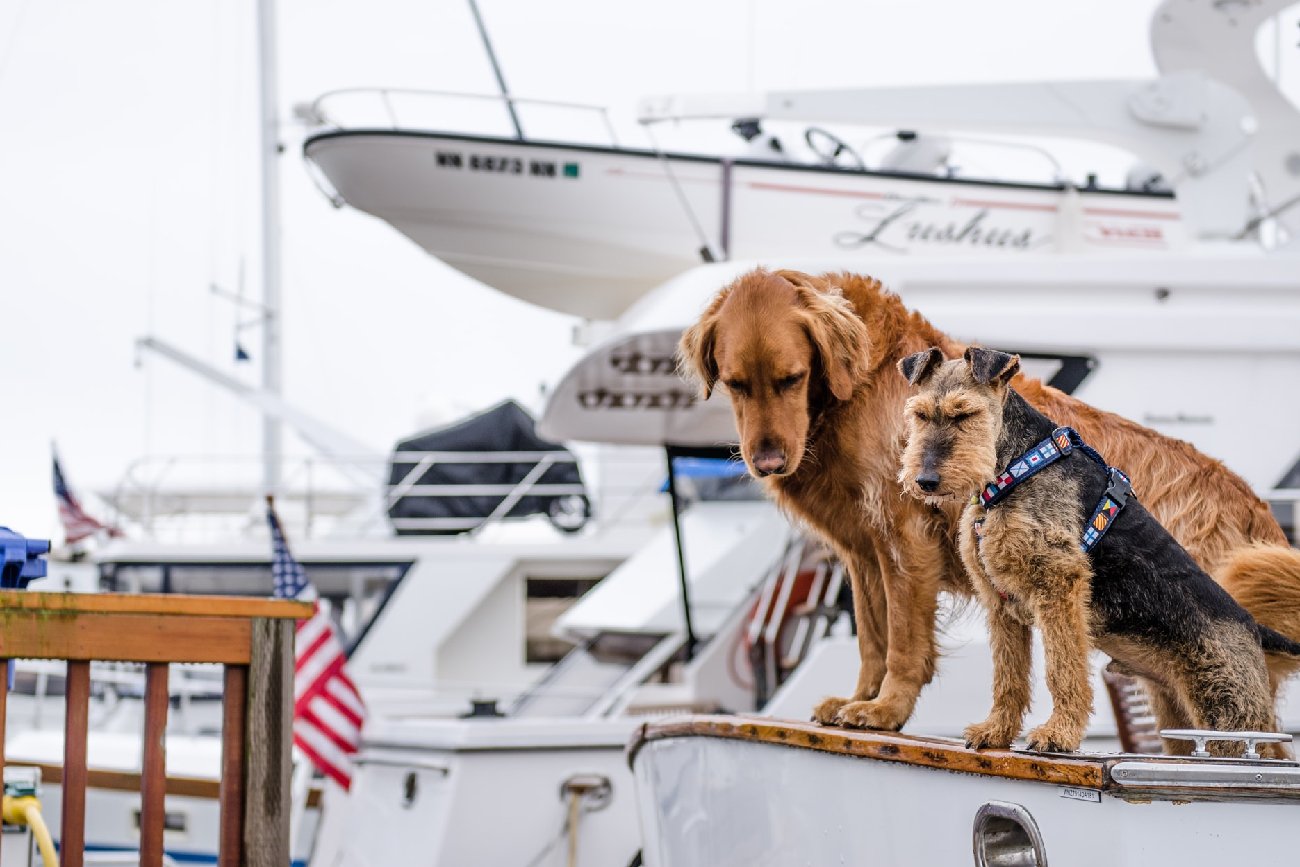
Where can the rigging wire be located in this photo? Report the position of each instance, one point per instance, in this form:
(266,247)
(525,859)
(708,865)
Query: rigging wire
(7,57)
(706,248)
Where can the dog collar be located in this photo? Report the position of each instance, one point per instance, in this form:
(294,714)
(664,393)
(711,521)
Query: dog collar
(1062,442)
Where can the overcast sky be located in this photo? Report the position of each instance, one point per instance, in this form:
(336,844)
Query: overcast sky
(128,185)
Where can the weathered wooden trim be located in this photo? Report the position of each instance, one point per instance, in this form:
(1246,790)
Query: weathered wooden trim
(153,765)
(163,604)
(72,839)
(230,833)
(123,637)
(267,742)
(940,753)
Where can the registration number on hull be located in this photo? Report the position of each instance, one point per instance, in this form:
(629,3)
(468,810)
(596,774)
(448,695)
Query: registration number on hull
(504,165)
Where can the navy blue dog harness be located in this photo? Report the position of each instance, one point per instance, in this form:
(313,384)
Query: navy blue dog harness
(1062,441)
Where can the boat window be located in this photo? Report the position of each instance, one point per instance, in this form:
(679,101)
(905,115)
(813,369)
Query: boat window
(353,592)
(545,600)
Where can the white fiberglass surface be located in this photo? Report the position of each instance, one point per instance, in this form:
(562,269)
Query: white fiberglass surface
(706,801)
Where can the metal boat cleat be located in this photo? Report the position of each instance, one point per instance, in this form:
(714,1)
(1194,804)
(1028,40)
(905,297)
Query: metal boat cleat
(1199,737)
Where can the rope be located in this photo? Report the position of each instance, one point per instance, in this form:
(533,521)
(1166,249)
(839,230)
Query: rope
(555,841)
(575,798)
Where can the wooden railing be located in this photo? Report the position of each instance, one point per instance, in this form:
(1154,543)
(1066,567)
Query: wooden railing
(251,638)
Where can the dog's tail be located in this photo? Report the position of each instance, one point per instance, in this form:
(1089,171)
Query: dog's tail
(1275,642)
(1265,580)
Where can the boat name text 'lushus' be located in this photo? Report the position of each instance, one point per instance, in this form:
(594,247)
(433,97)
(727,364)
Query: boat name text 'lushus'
(893,232)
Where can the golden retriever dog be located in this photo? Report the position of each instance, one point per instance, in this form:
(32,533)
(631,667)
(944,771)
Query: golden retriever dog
(808,362)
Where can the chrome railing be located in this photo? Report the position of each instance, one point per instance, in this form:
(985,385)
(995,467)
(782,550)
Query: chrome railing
(327,110)
(186,498)
(511,494)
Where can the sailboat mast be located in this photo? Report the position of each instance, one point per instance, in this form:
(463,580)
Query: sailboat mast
(272,435)
(496,69)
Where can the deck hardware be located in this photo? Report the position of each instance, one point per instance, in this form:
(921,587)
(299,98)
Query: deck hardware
(595,789)
(1199,737)
(1005,835)
(410,789)
(396,762)
(1162,772)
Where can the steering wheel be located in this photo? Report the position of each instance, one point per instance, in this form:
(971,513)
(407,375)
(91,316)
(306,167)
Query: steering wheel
(830,147)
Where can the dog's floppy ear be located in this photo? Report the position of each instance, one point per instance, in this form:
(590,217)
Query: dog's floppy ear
(916,368)
(839,337)
(695,350)
(988,366)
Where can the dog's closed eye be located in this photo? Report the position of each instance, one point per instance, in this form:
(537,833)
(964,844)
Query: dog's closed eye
(736,386)
(786,383)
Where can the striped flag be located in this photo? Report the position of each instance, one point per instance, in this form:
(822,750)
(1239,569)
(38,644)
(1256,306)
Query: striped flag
(327,709)
(77,524)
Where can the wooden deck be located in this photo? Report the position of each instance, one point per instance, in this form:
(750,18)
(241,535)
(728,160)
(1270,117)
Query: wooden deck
(941,753)
(1136,778)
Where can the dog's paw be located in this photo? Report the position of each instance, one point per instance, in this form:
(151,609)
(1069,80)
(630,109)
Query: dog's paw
(873,714)
(1054,737)
(990,734)
(827,711)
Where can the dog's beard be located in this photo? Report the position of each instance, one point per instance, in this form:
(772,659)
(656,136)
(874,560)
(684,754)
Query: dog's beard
(955,490)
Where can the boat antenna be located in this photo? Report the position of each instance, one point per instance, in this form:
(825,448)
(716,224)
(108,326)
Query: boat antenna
(496,69)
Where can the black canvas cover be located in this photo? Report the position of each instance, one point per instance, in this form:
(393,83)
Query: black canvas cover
(506,427)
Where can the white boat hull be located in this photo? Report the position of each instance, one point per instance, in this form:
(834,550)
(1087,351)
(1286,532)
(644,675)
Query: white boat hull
(588,230)
(482,792)
(706,801)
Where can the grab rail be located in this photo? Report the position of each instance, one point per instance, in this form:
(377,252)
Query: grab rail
(316,112)
(251,638)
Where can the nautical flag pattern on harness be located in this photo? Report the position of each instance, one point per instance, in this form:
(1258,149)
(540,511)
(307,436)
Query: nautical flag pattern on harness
(1062,442)
(1103,517)
(1059,444)
(327,709)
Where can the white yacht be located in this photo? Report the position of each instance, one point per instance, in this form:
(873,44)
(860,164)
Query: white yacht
(1163,301)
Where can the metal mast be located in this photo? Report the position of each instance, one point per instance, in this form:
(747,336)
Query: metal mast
(496,69)
(272,436)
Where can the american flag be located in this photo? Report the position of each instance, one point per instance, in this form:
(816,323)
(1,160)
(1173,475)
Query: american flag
(327,709)
(77,525)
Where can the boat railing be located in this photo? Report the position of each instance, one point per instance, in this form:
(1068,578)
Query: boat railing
(252,639)
(172,496)
(371,107)
(511,494)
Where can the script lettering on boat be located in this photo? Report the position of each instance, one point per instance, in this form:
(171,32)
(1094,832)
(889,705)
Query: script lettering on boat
(900,228)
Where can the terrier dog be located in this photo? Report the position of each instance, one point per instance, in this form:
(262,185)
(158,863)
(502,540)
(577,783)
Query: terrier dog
(1054,538)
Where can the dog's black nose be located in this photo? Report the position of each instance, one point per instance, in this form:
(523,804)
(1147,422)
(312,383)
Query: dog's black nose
(928,482)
